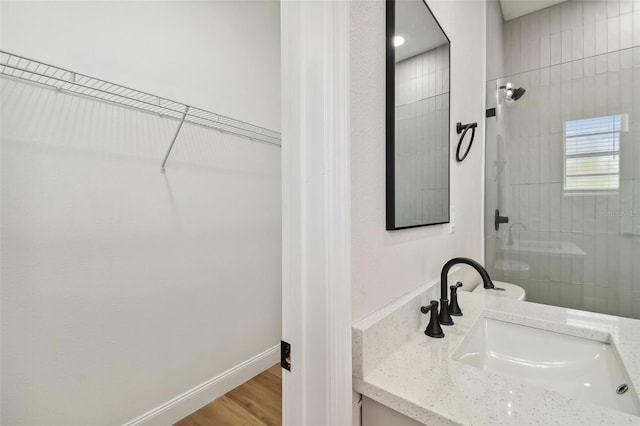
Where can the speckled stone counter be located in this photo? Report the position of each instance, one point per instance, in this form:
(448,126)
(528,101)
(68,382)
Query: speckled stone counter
(395,364)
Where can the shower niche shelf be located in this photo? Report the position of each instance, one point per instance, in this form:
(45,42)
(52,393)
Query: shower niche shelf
(64,80)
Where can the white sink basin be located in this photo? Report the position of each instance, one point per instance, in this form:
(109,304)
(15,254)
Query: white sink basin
(577,367)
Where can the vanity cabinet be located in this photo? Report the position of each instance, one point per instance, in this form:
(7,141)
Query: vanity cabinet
(376,414)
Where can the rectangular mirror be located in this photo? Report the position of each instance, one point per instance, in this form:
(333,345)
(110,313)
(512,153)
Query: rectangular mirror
(417,117)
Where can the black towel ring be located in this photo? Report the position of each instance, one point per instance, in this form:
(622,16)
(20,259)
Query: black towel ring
(464,128)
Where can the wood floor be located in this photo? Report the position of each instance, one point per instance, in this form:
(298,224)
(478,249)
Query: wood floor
(256,402)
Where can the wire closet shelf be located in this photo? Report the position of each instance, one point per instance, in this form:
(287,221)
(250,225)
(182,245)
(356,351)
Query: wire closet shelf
(72,82)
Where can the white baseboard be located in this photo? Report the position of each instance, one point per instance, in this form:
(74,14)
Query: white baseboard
(193,399)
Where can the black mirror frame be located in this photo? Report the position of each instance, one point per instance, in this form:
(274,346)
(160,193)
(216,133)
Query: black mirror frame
(390,120)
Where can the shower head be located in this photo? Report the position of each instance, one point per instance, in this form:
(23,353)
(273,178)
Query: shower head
(517,93)
(511,94)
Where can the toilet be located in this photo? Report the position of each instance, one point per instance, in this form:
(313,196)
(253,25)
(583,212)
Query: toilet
(511,291)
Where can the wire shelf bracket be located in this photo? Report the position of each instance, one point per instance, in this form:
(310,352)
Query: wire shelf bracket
(173,141)
(71,82)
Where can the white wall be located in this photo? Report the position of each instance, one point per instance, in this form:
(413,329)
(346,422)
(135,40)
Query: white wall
(218,55)
(388,264)
(122,287)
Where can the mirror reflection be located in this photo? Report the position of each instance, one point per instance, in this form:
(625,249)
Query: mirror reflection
(418,113)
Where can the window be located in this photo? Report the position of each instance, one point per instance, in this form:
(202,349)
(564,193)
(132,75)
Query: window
(592,154)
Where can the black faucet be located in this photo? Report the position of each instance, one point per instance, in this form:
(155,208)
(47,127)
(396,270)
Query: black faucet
(445,317)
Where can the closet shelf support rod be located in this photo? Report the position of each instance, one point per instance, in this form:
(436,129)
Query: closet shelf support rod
(166,156)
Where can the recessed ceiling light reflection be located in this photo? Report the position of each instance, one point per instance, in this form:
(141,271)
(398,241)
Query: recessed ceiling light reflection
(398,41)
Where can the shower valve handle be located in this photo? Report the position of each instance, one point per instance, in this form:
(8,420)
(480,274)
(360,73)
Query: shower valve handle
(500,219)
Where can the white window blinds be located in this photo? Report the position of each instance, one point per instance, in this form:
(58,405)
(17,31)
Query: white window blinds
(592,154)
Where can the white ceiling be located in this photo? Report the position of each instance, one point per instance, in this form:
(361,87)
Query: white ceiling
(516,8)
(419,28)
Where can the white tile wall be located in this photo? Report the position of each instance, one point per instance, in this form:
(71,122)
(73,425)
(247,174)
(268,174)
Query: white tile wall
(570,31)
(587,64)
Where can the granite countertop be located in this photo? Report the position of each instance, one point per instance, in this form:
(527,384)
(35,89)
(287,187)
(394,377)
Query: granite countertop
(396,365)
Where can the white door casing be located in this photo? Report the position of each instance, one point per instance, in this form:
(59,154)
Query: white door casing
(316,281)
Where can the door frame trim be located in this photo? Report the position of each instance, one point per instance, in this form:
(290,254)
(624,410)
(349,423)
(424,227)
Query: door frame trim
(316,228)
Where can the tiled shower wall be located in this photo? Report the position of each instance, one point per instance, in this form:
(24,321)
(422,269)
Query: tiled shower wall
(570,31)
(578,59)
(421,134)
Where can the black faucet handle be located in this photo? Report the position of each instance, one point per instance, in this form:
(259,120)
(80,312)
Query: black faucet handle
(432,305)
(433,329)
(498,220)
(454,308)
